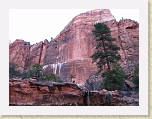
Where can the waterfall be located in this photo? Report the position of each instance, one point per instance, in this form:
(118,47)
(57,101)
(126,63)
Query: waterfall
(55,66)
(88,97)
(60,65)
(76,104)
(44,67)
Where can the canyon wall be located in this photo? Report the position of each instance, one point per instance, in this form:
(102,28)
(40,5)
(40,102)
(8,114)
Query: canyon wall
(69,53)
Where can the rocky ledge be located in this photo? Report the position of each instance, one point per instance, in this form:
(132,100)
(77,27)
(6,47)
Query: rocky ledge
(38,93)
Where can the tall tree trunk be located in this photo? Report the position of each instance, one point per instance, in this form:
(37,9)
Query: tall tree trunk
(108,64)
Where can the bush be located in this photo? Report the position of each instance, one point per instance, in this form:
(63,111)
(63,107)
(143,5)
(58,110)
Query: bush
(13,70)
(25,74)
(136,78)
(51,76)
(114,78)
(35,71)
(71,76)
(59,80)
(43,78)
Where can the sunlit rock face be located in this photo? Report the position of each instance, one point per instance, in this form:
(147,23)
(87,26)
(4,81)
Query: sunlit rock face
(26,55)
(129,43)
(18,53)
(69,53)
(75,44)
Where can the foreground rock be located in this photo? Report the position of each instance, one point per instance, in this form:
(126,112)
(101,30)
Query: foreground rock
(46,93)
(34,93)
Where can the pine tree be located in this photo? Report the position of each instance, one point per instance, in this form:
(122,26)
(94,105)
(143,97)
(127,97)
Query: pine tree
(107,52)
(107,55)
(35,71)
(38,69)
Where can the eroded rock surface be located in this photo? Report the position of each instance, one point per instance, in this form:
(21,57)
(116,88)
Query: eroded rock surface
(26,55)
(129,43)
(43,93)
(75,44)
(18,53)
(36,93)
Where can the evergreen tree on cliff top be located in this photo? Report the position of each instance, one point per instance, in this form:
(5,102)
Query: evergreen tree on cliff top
(106,54)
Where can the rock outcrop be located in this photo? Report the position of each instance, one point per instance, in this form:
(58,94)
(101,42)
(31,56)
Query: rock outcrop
(69,53)
(128,38)
(18,53)
(26,55)
(33,93)
(26,92)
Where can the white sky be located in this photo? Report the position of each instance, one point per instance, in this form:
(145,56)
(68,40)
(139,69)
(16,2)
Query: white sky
(35,25)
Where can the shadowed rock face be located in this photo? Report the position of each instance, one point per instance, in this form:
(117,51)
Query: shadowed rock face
(34,54)
(26,92)
(69,53)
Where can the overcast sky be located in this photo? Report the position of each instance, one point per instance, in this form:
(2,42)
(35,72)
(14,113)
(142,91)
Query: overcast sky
(36,25)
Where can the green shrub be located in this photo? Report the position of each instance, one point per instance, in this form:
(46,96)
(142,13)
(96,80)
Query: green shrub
(114,78)
(13,70)
(51,76)
(136,78)
(71,77)
(35,71)
(43,78)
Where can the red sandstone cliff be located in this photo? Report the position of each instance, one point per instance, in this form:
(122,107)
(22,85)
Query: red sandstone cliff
(69,53)
(26,55)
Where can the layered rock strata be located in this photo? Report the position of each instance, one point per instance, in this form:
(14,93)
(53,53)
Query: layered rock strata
(43,93)
(26,92)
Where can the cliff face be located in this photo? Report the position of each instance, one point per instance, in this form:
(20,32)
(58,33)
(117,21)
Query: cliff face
(18,53)
(26,55)
(69,53)
(128,39)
